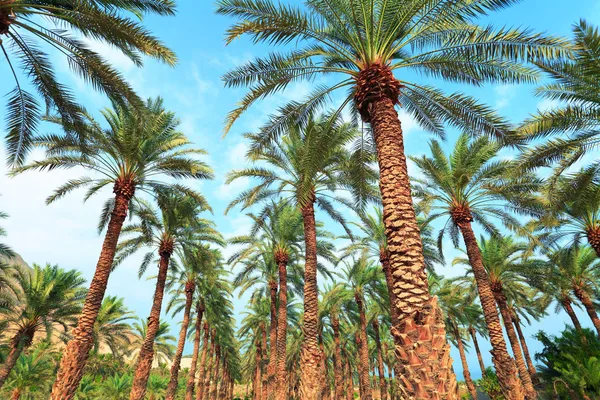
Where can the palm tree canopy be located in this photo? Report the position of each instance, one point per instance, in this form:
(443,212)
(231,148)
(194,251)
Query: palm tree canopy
(164,343)
(70,27)
(112,327)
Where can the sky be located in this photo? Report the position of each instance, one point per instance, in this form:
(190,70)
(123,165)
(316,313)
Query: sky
(64,233)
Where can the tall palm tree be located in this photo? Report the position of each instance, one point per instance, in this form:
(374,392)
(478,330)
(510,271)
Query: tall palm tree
(164,347)
(112,327)
(49,297)
(163,232)
(137,152)
(468,186)
(23,37)
(310,162)
(574,125)
(362,44)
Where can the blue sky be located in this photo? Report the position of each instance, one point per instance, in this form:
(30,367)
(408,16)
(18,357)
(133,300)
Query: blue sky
(65,233)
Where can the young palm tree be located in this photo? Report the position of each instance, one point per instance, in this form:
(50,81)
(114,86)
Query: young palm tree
(310,162)
(116,387)
(137,152)
(363,44)
(174,226)
(49,297)
(112,327)
(32,373)
(468,186)
(157,387)
(164,348)
(23,36)
(577,120)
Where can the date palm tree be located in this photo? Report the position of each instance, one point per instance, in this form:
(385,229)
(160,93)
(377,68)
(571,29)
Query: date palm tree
(32,372)
(5,250)
(363,44)
(116,387)
(174,226)
(49,297)
(157,386)
(70,27)
(112,328)
(309,163)
(137,152)
(465,187)
(164,347)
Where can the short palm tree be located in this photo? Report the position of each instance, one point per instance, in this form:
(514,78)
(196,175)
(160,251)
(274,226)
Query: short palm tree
(157,387)
(164,342)
(469,186)
(116,387)
(362,44)
(32,372)
(310,162)
(112,327)
(173,227)
(49,297)
(138,152)
(574,125)
(22,34)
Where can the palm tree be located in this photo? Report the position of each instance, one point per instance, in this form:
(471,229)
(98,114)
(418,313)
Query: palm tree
(5,251)
(305,167)
(362,44)
(116,387)
(476,325)
(175,226)
(468,186)
(163,348)
(137,152)
(157,387)
(31,373)
(49,297)
(107,21)
(112,327)
(577,119)
(507,270)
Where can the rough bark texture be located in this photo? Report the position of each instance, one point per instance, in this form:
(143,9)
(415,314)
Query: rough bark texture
(202,369)
(500,297)
(7,17)
(215,382)
(272,340)
(363,349)
(382,383)
(310,357)
(349,381)
(77,350)
(525,348)
(189,388)
(426,367)
(568,306)
(146,356)
(211,366)
(281,379)
(257,395)
(325,389)
(338,373)
(477,350)
(585,299)
(265,362)
(505,366)
(190,286)
(20,342)
(16,394)
(593,236)
(463,360)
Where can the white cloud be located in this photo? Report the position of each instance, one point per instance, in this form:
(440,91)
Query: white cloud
(409,124)
(547,105)
(504,95)
(229,191)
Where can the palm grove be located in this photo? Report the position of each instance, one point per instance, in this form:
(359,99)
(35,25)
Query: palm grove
(363,310)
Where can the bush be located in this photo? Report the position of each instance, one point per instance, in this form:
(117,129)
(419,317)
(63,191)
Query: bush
(490,385)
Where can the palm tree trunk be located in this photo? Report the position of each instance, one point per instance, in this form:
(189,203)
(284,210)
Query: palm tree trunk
(593,236)
(568,306)
(338,373)
(272,339)
(391,379)
(310,357)
(77,350)
(257,395)
(363,349)
(463,359)
(349,381)
(505,366)
(16,394)
(264,364)
(419,324)
(211,366)
(476,345)
(281,378)
(202,371)
(215,384)
(383,393)
(146,356)
(325,389)
(20,341)
(589,307)
(190,286)
(530,392)
(525,348)
(189,388)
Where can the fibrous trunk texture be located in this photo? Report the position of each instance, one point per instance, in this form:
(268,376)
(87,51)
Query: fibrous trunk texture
(272,340)
(16,394)
(525,348)
(505,366)
(189,388)
(146,355)
(382,384)
(77,350)
(337,367)
(568,306)
(20,342)
(310,357)
(476,346)
(211,366)
(463,360)
(363,350)
(190,286)
(593,236)
(419,334)
(257,395)
(349,381)
(215,382)
(265,362)
(281,378)
(202,370)
(585,299)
